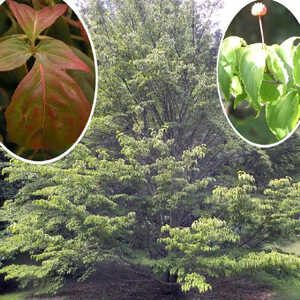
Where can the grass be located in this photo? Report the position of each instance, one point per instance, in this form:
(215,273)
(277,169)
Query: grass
(293,248)
(14,296)
(287,290)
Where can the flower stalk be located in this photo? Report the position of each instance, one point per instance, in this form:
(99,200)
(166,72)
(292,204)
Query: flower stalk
(259,10)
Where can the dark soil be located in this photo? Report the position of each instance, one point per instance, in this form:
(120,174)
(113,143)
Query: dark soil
(234,289)
(118,282)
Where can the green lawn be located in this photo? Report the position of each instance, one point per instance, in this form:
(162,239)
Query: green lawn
(293,248)
(14,296)
(287,290)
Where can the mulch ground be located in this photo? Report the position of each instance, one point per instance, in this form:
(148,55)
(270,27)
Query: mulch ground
(118,282)
(239,289)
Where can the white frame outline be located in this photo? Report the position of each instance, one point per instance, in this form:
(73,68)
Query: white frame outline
(232,16)
(70,4)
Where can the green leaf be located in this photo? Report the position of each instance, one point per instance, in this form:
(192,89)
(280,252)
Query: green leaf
(286,52)
(56,54)
(61,30)
(228,63)
(282,115)
(48,110)
(229,51)
(225,75)
(276,65)
(288,49)
(297,65)
(14,52)
(4,21)
(270,90)
(252,68)
(239,99)
(33,22)
(236,86)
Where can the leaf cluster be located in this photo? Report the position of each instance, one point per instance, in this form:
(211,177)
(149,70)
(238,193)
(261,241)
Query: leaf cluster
(48,109)
(266,77)
(233,239)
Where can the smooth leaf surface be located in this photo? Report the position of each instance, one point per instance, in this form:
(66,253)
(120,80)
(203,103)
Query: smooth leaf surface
(282,115)
(85,80)
(229,51)
(252,68)
(56,54)
(269,90)
(276,66)
(14,52)
(236,87)
(228,63)
(225,76)
(288,48)
(60,30)
(296,60)
(286,52)
(48,110)
(34,22)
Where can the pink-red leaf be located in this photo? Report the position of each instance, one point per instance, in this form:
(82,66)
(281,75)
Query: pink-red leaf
(83,33)
(56,54)
(48,110)
(33,22)
(14,52)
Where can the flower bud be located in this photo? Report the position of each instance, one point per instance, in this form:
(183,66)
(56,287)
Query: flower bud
(258,9)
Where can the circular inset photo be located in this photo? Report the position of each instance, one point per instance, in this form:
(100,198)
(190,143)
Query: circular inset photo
(259,73)
(47,79)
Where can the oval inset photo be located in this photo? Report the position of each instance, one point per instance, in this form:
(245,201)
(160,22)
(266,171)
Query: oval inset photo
(259,73)
(47,79)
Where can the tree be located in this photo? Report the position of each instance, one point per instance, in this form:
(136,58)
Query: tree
(62,220)
(157,69)
(230,238)
(156,147)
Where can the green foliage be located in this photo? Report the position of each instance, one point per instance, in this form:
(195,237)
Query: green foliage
(233,239)
(264,76)
(68,226)
(259,219)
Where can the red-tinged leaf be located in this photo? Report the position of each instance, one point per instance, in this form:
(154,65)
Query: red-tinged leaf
(83,33)
(34,22)
(56,54)
(48,110)
(86,81)
(14,52)
(48,15)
